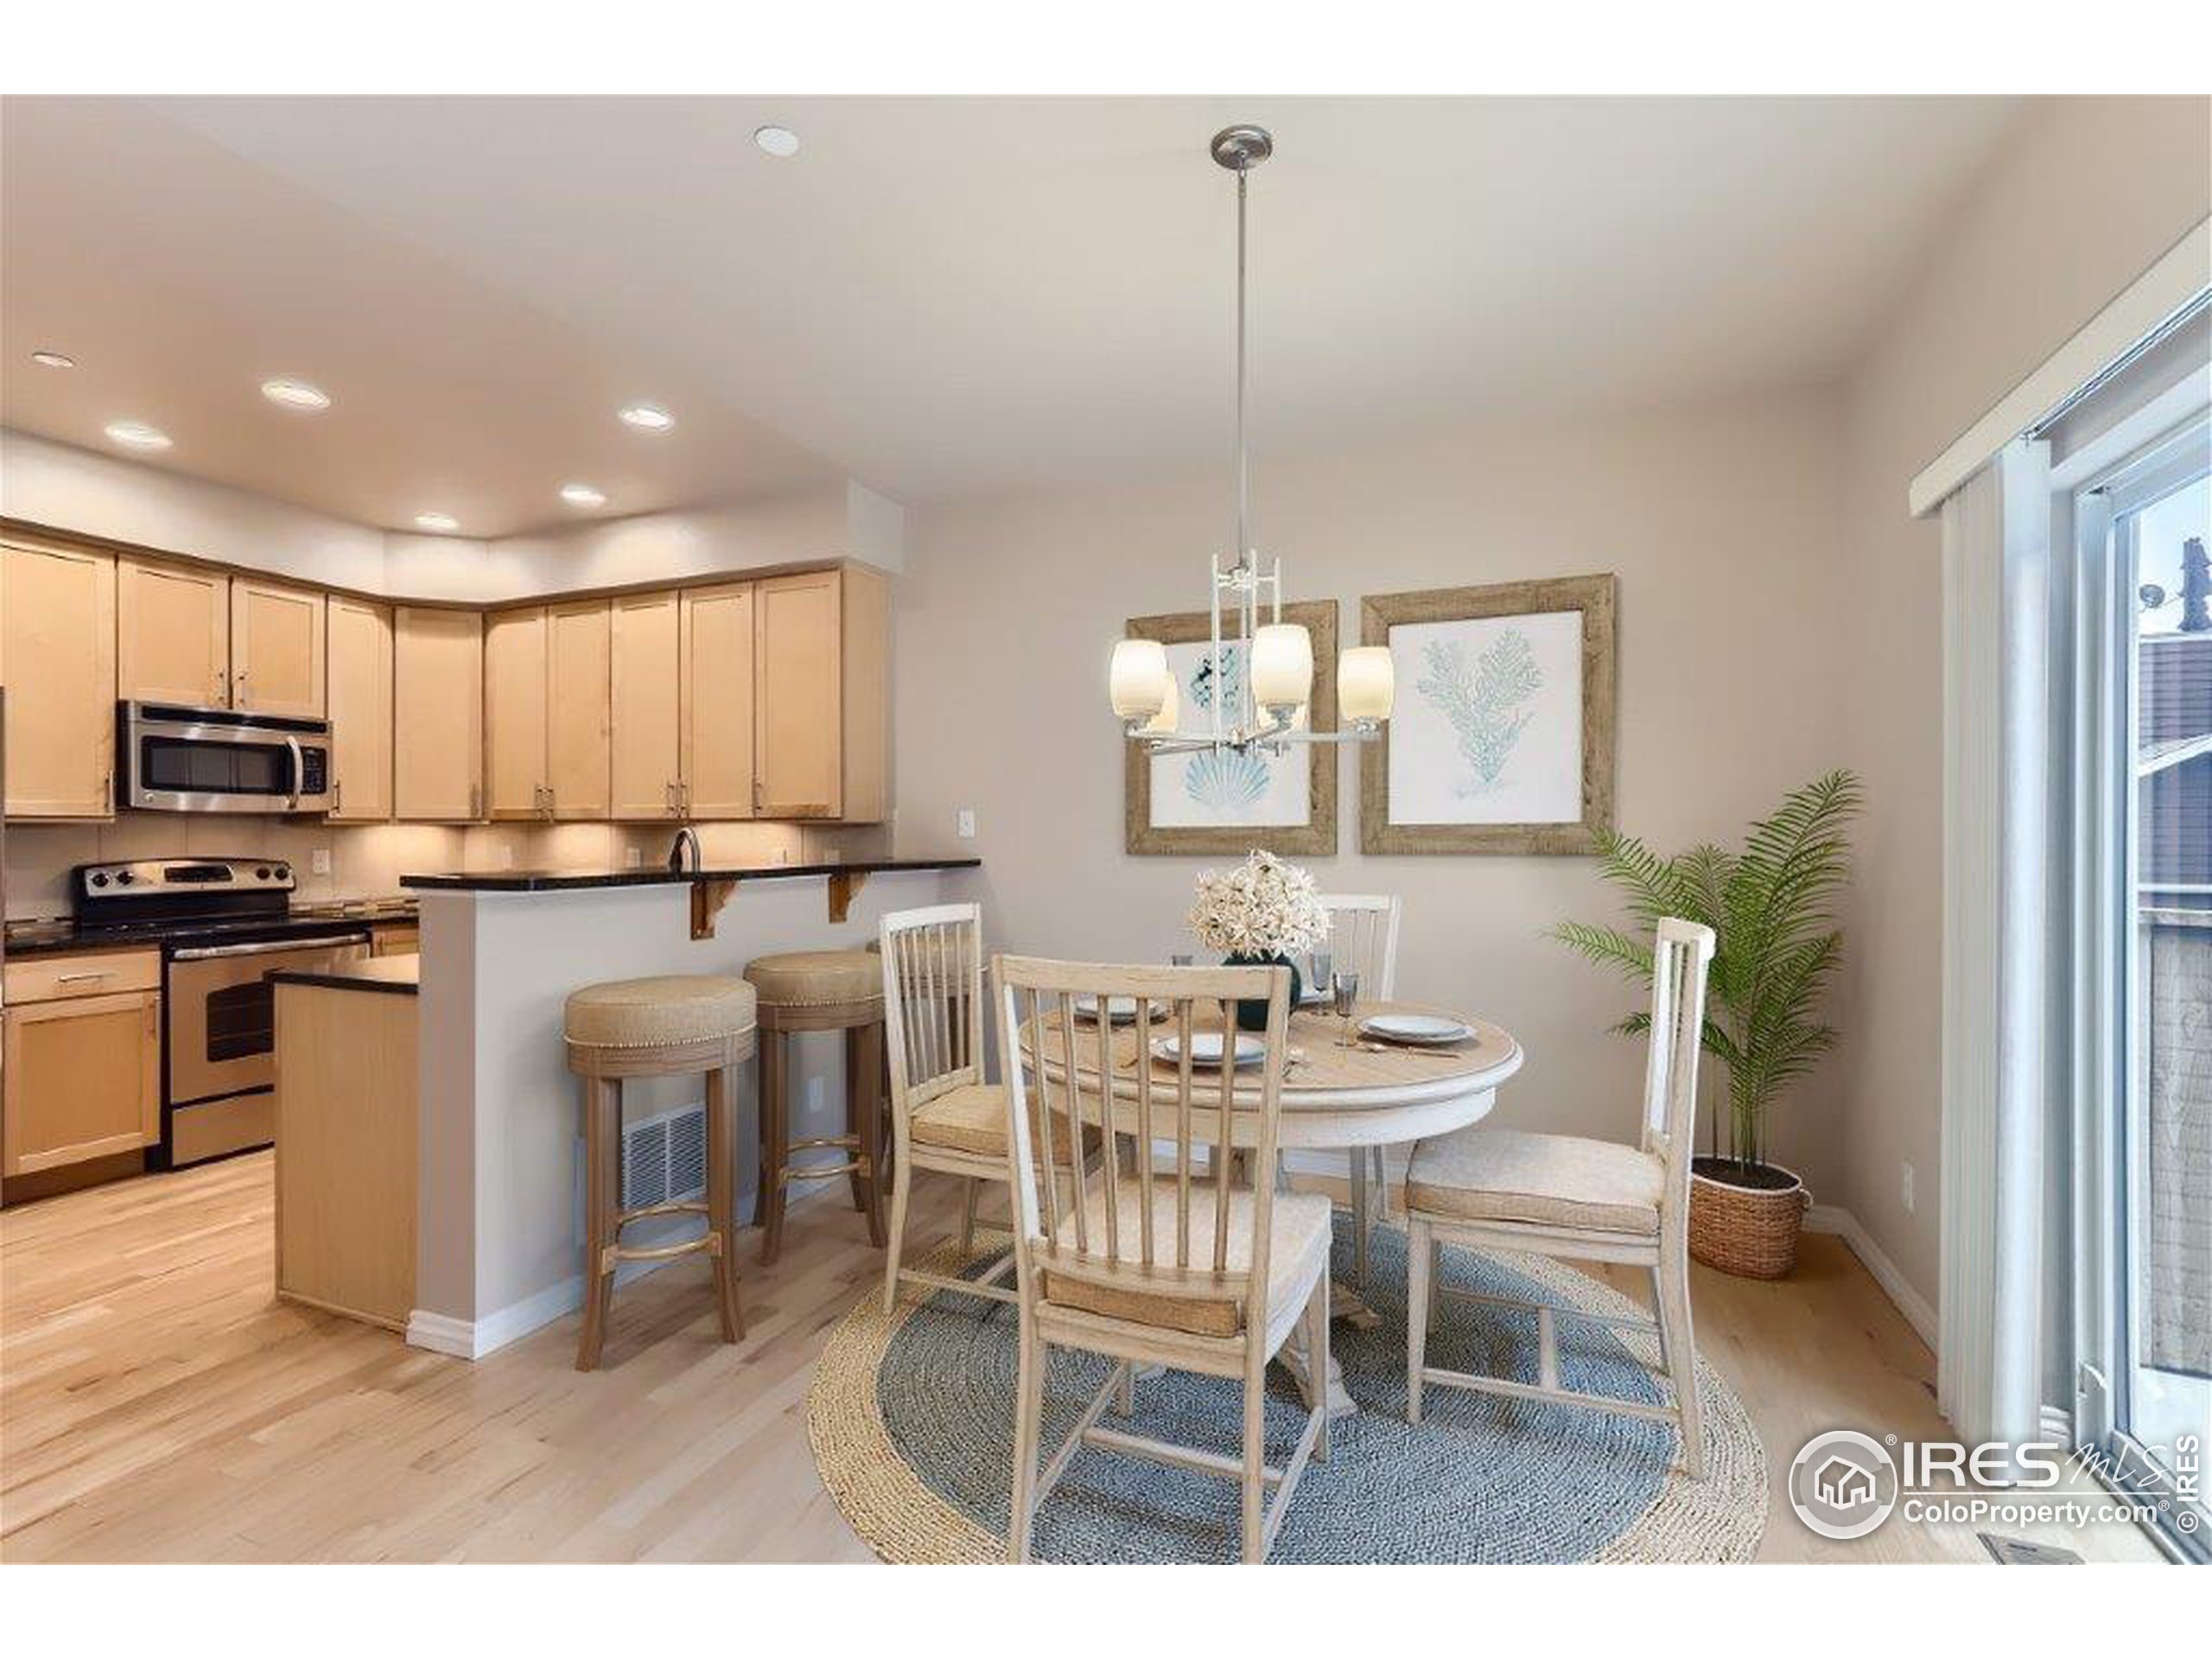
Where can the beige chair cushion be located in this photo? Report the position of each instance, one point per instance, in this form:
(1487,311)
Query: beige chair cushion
(973,1119)
(649,1012)
(813,978)
(1298,1249)
(1557,1180)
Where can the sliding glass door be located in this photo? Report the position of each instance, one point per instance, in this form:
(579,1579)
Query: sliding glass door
(2145,1387)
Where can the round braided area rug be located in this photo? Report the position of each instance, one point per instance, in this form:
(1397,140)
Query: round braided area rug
(911,1417)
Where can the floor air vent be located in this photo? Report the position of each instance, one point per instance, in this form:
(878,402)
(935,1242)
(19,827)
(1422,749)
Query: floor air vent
(664,1158)
(2019,1552)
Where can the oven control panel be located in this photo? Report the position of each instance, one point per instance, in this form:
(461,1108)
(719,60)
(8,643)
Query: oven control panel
(171,878)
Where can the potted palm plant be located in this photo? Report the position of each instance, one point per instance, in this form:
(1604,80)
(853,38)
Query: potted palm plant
(1771,906)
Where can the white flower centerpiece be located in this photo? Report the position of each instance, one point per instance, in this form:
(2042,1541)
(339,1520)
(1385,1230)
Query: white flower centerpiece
(1263,911)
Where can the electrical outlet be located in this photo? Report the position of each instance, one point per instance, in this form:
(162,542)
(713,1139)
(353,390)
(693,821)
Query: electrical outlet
(633,858)
(319,861)
(965,823)
(1905,1191)
(506,855)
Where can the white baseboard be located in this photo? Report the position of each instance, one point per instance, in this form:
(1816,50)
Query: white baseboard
(440,1333)
(1918,1311)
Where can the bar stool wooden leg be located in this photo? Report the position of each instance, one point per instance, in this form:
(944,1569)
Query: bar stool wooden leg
(722,1198)
(864,1064)
(602,1188)
(775,1134)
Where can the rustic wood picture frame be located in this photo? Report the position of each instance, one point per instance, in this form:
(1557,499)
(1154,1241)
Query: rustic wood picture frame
(1317,836)
(1597,599)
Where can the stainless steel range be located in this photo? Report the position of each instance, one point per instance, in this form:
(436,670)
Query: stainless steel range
(224,925)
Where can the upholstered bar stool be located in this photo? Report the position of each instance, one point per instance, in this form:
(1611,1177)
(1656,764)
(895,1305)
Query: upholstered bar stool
(677,1025)
(820,990)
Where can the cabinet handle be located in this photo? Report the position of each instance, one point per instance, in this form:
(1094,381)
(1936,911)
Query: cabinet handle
(153,1016)
(75,979)
(337,797)
(758,801)
(475,796)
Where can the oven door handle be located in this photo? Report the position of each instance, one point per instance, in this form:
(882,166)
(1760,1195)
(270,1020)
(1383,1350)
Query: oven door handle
(299,768)
(212,952)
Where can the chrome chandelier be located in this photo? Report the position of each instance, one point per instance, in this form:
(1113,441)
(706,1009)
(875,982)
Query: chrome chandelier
(1266,706)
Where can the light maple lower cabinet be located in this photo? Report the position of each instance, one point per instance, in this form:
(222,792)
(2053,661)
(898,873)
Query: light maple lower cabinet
(646,704)
(83,1075)
(437,666)
(360,710)
(172,634)
(57,660)
(277,642)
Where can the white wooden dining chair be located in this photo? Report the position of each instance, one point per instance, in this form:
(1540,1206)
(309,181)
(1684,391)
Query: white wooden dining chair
(1561,1195)
(1363,940)
(945,1116)
(1163,1263)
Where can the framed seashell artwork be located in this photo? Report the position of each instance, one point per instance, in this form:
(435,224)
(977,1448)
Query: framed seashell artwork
(1224,801)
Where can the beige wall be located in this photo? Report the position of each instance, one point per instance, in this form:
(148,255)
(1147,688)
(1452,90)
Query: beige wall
(2087,195)
(1721,523)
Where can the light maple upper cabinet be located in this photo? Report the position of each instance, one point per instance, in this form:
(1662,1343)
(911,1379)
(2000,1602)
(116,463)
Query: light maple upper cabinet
(821,715)
(578,709)
(718,690)
(172,634)
(645,703)
(514,714)
(57,659)
(360,710)
(437,669)
(546,714)
(277,648)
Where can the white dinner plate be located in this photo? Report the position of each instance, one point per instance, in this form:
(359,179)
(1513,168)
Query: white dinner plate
(1416,1029)
(1120,1010)
(1205,1050)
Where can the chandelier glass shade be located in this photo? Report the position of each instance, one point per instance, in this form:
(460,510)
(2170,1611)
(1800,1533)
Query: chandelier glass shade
(1261,671)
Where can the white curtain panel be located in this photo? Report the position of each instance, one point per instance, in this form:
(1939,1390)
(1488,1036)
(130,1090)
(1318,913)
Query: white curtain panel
(1997,943)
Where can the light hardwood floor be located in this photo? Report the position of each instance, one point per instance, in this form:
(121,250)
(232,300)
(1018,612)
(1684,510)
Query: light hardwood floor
(157,1403)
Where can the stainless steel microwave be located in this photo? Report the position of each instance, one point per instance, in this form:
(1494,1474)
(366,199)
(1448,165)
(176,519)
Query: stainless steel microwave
(177,759)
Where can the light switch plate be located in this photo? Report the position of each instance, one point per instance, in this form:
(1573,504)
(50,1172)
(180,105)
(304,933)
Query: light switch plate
(635,857)
(319,861)
(965,823)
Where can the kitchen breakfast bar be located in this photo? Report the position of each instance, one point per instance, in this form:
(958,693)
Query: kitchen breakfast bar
(500,1241)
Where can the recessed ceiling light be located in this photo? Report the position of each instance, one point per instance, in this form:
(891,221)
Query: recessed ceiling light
(582,495)
(295,394)
(441,522)
(779,141)
(136,435)
(647,417)
(53,360)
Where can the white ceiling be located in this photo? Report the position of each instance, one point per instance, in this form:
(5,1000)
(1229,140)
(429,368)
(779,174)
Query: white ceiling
(937,296)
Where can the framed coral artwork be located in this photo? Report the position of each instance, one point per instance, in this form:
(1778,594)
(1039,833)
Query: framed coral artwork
(1501,740)
(1224,803)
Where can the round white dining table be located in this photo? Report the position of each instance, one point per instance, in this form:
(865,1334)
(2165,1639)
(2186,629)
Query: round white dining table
(1332,1098)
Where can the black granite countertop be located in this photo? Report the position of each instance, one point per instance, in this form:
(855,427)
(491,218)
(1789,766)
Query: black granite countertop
(564,880)
(396,975)
(60,935)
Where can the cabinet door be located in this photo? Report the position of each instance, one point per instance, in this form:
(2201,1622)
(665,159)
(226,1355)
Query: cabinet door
(83,1080)
(57,653)
(717,698)
(514,714)
(578,693)
(361,711)
(800,710)
(277,647)
(643,680)
(172,634)
(438,713)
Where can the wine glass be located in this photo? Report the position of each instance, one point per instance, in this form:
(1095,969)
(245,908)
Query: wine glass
(1319,972)
(1346,988)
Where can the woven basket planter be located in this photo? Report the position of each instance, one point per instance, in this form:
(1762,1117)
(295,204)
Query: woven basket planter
(1746,1230)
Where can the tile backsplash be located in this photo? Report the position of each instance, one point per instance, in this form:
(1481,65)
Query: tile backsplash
(367,860)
